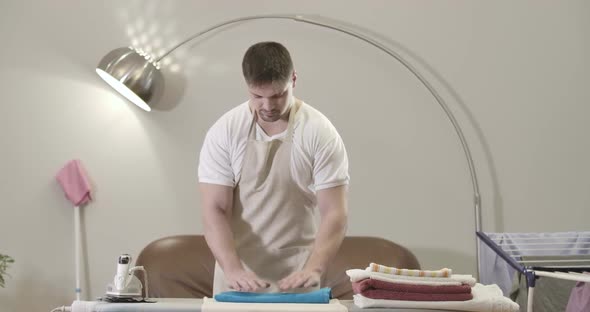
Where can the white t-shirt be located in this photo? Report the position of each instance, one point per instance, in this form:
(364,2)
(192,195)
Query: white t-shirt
(318,159)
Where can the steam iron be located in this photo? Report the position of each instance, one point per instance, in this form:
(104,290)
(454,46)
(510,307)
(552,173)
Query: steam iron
(126,287)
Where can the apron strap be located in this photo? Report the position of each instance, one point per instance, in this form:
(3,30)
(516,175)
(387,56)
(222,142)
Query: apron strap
(252,130)
(290,126)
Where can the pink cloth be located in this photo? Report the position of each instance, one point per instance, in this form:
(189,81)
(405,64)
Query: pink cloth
(74,182)
(579,298)
(376,289)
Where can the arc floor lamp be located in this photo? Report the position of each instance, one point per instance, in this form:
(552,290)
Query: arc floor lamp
(137,76)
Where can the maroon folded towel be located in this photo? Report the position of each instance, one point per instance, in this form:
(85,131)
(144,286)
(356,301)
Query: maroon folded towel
(414,288)
(365,288)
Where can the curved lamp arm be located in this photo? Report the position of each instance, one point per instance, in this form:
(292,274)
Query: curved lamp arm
(376,44)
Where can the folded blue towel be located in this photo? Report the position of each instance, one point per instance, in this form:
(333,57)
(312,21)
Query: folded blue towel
(319,296)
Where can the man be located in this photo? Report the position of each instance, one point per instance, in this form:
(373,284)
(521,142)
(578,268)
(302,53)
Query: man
(264,168)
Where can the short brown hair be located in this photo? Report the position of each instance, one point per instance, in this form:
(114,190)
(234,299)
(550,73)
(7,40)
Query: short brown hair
(267,62)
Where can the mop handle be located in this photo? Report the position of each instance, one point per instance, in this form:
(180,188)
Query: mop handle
(77,249)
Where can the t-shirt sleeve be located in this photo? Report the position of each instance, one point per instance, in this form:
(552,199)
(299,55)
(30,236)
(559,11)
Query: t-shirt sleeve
(214,160)
(330,167)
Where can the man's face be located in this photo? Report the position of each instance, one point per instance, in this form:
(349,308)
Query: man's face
(273,100)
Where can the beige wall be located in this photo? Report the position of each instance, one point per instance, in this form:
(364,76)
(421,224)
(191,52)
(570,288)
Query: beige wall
(515,74)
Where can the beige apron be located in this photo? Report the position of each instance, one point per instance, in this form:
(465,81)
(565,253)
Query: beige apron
(272,218)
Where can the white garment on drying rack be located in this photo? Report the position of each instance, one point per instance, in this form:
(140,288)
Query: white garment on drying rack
(494,270)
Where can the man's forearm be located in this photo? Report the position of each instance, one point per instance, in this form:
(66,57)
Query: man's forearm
(330,235)
(220,239)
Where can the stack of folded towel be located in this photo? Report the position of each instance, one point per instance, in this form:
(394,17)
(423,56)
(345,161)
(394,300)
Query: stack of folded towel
(382,286)
(382,282)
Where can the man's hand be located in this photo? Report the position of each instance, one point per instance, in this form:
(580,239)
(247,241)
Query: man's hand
(217,209)
(242,280)
(333,207)
(300,279)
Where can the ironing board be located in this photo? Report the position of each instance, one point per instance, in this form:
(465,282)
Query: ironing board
(194,305)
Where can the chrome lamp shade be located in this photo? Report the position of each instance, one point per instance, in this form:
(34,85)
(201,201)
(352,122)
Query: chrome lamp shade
(133,74)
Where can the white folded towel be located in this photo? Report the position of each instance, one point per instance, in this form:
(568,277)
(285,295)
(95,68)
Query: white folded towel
(486,298)
(455,279)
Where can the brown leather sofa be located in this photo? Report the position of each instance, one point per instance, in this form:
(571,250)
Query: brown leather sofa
(182,266)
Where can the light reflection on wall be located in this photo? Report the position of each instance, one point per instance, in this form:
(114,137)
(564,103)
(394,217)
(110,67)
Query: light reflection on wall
(151,27)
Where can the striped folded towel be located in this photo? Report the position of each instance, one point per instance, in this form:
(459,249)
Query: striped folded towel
(455,279)
(374,267)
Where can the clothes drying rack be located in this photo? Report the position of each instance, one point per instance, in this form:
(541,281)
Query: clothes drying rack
(534,255)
